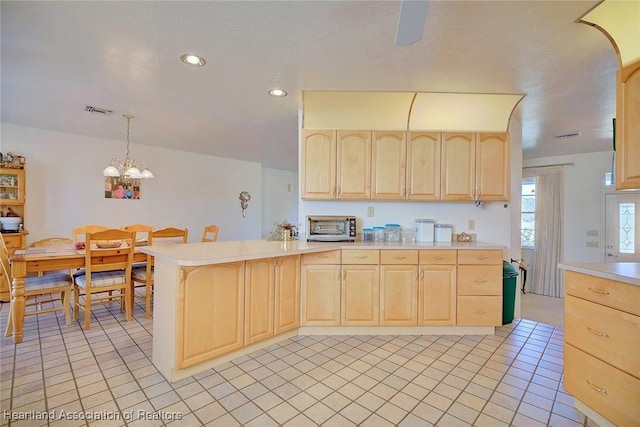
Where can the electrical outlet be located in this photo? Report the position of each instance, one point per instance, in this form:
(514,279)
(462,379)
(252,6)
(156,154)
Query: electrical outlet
(291,188)
(370,211)
(471,224)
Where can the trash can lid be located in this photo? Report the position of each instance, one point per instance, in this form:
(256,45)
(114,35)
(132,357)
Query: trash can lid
(508,270)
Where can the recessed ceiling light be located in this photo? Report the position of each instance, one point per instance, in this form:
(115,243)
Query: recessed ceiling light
(193,60)
(277,92)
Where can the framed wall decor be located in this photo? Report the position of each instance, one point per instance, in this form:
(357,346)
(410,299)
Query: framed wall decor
(119,188)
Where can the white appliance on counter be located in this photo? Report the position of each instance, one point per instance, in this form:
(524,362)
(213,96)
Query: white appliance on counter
(330,228)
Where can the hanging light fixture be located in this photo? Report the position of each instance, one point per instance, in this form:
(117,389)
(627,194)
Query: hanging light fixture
(128,168)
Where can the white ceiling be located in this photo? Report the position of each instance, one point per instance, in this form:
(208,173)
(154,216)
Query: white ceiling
(58,57)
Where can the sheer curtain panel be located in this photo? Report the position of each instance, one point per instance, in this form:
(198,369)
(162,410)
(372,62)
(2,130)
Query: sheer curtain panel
(546,278)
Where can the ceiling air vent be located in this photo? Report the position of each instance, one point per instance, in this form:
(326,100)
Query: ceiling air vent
(98,110)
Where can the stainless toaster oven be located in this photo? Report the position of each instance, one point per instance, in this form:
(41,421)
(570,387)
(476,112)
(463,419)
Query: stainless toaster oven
(331,228)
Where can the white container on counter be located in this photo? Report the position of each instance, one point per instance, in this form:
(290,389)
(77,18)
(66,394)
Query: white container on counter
(424,230)
(443,232)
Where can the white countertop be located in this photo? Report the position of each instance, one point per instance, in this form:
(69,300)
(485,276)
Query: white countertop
(193,254)
(627,272)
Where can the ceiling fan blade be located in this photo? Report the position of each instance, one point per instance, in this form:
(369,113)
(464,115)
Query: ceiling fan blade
(413,15)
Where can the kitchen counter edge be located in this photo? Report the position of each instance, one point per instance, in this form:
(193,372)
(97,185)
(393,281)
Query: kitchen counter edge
(195,254)
(626,272)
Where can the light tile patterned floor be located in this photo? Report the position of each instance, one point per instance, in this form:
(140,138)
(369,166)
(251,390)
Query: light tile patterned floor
(511,379)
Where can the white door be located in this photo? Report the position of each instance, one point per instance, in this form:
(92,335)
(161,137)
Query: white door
(622,230)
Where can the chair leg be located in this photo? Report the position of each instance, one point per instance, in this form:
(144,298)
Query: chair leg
(87,310)
(76,301)
(127,302)
(9,329)
(147,300)
(65,296)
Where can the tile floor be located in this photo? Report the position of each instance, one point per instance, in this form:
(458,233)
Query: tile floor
(513,378)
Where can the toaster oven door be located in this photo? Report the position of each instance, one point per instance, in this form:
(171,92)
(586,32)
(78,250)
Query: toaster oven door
(327,229)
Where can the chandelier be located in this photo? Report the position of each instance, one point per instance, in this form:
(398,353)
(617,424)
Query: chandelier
(128,168)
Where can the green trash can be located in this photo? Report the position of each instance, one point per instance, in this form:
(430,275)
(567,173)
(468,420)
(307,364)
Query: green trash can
(509,276)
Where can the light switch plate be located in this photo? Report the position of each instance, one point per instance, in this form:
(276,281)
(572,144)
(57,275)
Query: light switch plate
(371,211)
(471,224)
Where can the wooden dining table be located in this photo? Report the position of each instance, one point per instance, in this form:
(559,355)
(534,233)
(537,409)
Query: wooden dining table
(35,260)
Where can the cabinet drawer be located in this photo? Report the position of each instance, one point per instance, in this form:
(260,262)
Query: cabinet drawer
(603,332)
(618,295)
(13,242)
(329,257)
(437,256)
(360,256)
(479,280)
(479,311)
(400,256)
(474,256)
(612,393)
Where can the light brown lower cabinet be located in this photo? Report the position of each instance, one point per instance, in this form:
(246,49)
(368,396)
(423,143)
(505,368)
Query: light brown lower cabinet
(602,369)
(320,289)
(479,288)
(437,289)
(287,294)
(210,312)
(398,287)
(259,299)
(360,304)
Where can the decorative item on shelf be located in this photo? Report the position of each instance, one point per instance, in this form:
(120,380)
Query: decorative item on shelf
(12,161)
(126,170)
(284,231)
(244,201)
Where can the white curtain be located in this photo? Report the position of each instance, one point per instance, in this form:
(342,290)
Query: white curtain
(546,278)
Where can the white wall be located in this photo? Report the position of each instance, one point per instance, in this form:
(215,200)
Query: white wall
(583,188)
(65,186)
(282,201)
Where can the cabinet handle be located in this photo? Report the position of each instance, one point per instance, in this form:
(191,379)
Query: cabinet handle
(399,257)
(599,291)
(321,256)
(480,312)
(598,333)
(481,257)
(438,258)
(480,281)
(596,388)
(362,257)
(421,274)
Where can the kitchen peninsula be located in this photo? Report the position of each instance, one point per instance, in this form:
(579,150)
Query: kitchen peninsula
(216,301)
(602,319)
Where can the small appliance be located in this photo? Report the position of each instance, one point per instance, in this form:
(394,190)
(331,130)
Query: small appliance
(331,228)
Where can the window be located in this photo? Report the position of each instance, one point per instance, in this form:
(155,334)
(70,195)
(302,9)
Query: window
(627,219)
(528,213)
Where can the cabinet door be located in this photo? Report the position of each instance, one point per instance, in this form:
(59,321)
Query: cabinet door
(423,165)
(320,295)
(360,295)
(492,166)
(12,186)
(627,129)
(287,289)
(437,295)
(318,169)
(259,298)
(388,165)
(210,312)
(399,295)
(354,165)
(458,166)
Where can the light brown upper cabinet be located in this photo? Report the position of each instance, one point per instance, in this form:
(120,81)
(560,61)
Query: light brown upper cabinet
(492,166)
(336,165)
(388,165)
(423,165)
(475,166)
(458,166)
(318,171)
(354,165)
(627,128)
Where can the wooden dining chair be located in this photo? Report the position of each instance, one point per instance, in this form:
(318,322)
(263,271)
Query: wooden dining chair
(210,233)
(144,274)
(54,286)
(108,269)
(141,276)
(84,229)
